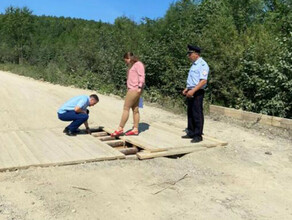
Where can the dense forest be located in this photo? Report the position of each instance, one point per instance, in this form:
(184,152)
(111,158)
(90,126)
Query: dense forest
(247,44)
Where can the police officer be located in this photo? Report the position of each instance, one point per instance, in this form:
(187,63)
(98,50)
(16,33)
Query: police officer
(196,83)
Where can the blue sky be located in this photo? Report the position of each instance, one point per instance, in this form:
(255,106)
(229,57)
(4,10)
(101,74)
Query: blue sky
(106,11)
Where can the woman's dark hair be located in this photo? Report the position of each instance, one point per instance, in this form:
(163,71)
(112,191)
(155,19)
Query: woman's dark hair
(130,55)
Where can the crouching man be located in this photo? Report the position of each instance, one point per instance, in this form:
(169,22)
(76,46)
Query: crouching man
(75,110)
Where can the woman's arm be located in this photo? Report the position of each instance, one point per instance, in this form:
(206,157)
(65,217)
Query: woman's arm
(141,74)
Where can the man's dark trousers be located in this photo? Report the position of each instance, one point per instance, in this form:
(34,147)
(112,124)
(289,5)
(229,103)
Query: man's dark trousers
(76,118)
(195,114)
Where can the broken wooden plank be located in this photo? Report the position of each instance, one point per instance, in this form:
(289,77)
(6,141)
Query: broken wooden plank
(141,144)
(148,155)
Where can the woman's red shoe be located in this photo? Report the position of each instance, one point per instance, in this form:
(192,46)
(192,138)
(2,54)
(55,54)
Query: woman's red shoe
(117,133)
(130,133)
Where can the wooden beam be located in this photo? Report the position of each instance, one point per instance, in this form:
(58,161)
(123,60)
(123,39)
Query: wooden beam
(220,143)
(129,150)
(100,134)
(115,143)
(106,138)
(148,155)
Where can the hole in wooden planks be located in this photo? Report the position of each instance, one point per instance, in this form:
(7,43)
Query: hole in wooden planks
(115,142)
(178,156)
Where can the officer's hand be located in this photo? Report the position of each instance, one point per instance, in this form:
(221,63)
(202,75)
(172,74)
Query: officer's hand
(184,92)
(190,94)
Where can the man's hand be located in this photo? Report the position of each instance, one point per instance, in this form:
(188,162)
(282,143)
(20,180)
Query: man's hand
(190,94)
(184,92)
(88,131)
(139,90)
(79,110)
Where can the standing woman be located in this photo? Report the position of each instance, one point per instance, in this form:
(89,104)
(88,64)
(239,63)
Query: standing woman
(135,85)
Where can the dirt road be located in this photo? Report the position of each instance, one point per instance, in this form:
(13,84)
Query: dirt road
(250,178)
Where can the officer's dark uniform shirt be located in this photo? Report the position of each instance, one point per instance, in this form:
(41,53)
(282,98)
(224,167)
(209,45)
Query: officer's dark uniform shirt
(198,71)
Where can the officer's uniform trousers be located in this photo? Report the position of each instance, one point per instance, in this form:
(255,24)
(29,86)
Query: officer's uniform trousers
(195,114)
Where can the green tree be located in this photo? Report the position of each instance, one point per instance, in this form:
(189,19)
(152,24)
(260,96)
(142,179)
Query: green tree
(18,29)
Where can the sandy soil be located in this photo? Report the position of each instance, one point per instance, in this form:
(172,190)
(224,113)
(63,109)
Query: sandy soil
(250,178)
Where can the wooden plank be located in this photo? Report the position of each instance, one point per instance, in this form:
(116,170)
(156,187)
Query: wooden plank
(132,157)
(168,144)
(55,149)
(251,116)
(96,149)
(36,150)
(26,152)
(198,145)
(94,143)
(102,150)
(93,150)
(71,145)
(108,130)
(106,138)
(115,143)
(12,150)
(141,144)
(72,148)
(100,134)
(176,130)
(234,113)
(82,142)
(129,150)
(6,122)
(221,143)
(148,155)
(64,163)
(169,128)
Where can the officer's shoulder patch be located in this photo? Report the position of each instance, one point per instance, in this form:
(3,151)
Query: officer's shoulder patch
(205,72)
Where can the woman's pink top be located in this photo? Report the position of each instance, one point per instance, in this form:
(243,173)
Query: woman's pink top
(136,76)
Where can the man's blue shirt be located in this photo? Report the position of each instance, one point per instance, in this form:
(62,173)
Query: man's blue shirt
(82,101)
(198,71)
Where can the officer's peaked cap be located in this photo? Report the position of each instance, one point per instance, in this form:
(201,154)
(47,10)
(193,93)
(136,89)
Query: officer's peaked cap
(194,49)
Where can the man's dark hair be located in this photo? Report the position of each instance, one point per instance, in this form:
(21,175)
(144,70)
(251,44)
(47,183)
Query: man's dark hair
(94,97)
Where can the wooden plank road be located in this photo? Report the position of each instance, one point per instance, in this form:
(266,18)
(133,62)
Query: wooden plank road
(25,142)
(161,137)
(50,147)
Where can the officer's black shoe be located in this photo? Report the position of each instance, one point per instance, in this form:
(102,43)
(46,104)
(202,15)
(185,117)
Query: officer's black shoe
(197,139)
(71,133)
(186,137)
(66,130)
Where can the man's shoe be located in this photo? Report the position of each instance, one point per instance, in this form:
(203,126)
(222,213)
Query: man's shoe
(71,133)
(197,139)
(186,137)
(65,130)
